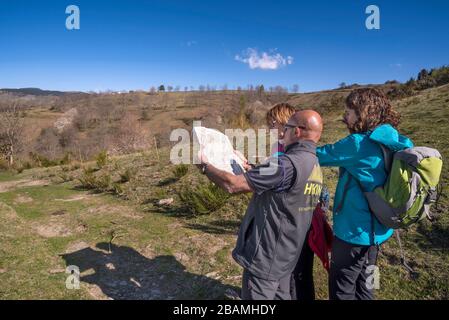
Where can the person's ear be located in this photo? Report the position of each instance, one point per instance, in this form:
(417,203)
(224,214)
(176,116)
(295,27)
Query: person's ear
(297,132)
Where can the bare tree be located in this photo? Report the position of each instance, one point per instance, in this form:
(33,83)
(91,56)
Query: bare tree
(279,94)
(130,136)
(11,130)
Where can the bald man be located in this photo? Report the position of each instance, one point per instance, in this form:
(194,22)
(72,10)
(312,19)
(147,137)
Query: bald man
(285,192)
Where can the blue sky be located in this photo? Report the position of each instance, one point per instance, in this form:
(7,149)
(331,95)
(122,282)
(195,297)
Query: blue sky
(138,44)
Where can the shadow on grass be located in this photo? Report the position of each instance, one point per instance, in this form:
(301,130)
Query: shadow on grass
(436,236)
(152,205)
(167,181)
(217,226)
(179,212)
(79,187)
(124,273)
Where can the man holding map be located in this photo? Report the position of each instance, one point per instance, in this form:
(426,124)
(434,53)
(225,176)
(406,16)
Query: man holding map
(278,217)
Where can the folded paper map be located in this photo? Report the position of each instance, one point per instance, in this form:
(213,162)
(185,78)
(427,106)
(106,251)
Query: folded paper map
(218,150)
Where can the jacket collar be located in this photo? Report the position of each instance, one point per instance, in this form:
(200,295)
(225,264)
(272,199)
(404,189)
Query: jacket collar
(301,145)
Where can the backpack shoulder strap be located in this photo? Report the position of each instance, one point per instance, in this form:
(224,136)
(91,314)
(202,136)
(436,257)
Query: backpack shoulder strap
(388,157)
(386,153)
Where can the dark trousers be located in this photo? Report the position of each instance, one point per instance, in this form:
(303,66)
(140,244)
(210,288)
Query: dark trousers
(350,276)
(254,288)
(301,282)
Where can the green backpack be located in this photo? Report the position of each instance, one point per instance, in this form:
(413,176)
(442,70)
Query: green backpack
(411,187)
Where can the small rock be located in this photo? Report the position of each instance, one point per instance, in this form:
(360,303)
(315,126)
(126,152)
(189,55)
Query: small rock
(166,202)
(211,274)
(181,257)
(110,266)
(53,271)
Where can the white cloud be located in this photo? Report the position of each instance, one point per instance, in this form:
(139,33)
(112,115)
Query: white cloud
(396,65)
(264,61)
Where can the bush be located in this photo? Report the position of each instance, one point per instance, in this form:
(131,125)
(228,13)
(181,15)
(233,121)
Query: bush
(145,115)
(42,161)
(402,91)
(117,189)
(3,164)
(24,166)
(66,159)
(127,175)
(27,165)
(440,75)
(103,183)
(203,199)
(65,177)
(88,179)
(75,166)
(180,171)
(102,159)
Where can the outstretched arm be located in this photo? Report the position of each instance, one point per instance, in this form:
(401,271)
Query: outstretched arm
(229,182)
(225,180)
(343,153)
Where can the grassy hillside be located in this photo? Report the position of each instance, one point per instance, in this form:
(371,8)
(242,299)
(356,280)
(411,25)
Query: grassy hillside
(128,245)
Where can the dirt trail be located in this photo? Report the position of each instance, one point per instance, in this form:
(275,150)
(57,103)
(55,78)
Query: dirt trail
(8,213)
(11,185)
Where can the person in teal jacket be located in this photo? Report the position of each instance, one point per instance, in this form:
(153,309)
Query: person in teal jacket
(371,120)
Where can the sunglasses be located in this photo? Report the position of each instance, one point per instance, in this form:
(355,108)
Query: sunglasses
(286,126)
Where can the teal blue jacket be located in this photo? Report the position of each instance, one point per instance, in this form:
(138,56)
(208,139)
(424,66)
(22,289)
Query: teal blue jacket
(360,155)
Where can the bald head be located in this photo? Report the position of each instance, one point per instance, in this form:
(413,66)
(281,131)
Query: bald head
(309,122)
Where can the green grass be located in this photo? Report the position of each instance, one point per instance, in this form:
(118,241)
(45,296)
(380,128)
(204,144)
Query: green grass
(8,176)
(44,200)
(166,249)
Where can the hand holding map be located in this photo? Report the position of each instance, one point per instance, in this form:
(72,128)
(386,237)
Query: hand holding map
(218,150)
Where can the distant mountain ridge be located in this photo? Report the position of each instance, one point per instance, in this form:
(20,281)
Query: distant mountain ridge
(36,92)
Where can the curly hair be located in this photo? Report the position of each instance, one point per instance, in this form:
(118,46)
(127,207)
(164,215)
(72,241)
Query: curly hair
(372,108)
(280,113)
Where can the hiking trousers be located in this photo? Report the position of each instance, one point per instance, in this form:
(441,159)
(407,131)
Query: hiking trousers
(301,282)
(352,271)
(254,288)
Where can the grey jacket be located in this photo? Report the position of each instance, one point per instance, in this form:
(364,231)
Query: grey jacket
(275,225)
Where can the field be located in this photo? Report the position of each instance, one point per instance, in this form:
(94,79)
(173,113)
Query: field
(129,246)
